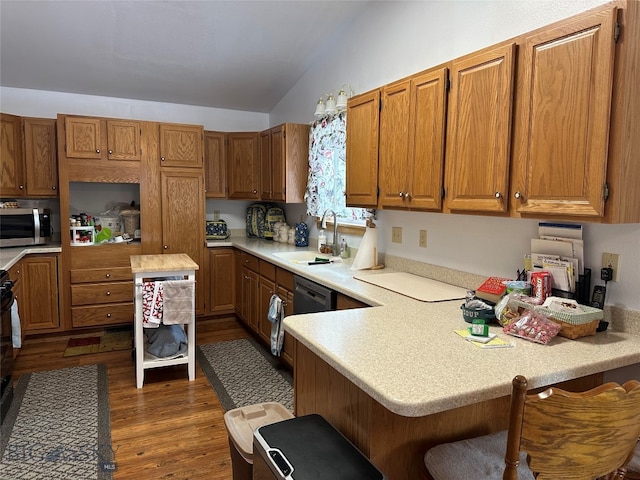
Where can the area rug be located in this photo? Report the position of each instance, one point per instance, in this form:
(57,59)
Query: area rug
(107,342)
(58,427)
(243,372)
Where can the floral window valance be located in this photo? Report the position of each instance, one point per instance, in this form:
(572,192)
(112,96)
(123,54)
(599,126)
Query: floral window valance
(326,185)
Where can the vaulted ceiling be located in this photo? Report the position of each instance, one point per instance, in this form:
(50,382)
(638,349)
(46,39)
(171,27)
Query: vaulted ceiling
(241,55)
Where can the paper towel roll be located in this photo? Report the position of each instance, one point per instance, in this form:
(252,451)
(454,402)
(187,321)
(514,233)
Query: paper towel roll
(367,256)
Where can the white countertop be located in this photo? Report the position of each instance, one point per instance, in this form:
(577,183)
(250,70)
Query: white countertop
(9,256)
(405,354)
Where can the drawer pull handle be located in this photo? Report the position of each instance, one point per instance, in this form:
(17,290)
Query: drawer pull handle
(108,315)
(108,293)
(108,275)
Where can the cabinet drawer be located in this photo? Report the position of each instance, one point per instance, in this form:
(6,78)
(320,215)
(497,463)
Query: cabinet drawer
(93,275)
(249,261)
(268,270)
(284,279)
(101,293)
(102,315)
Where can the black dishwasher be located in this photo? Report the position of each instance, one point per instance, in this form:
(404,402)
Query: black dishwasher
(310,297)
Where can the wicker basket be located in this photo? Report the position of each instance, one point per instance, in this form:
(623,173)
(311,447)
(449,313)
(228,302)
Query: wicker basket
(575,325)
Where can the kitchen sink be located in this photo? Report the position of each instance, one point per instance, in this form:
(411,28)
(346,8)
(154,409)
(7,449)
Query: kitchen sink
(305,256)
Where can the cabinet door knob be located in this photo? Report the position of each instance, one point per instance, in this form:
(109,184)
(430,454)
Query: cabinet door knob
(517,195)
(108,275)
(108,315)
(54,188)
(97,150)
(407,195)
(110,152)
(21,187)
(498,195)
(162,159)
(166,247)
(108,293)
(400,194)
(255,191)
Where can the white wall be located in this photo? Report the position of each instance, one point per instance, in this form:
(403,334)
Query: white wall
(395,39)
(38,103)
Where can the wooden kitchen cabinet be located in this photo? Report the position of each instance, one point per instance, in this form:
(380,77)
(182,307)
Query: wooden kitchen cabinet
(183,219)
(284,160)
(284,289)
(181,145)
(215,165)
(247,296)
(29,159)
(363,112)
(12,179)
(221,279)
(564,114)
(344,302)
(101,285)
(97,138)
(267,288)
(40,157)
(15,275)
(412,135)
(243,165)
(479,130)
(39,308)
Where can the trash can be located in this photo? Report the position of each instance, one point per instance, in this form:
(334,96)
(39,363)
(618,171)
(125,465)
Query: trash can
(310,447)
(240,424)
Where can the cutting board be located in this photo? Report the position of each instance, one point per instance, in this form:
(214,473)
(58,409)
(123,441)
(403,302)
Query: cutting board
(420,288)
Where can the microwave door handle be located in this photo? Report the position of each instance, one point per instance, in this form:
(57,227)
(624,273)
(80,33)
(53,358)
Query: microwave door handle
(36,225)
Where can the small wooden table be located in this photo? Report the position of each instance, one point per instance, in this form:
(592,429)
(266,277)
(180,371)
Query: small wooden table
(151,268)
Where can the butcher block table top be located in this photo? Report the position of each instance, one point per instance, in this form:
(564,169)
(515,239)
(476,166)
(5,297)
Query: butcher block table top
(169,262)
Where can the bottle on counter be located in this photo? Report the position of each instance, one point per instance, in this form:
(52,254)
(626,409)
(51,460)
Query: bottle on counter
(322,238)
(344,249)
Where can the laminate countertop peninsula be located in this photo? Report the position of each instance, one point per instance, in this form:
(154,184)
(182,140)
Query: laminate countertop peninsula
(395,378)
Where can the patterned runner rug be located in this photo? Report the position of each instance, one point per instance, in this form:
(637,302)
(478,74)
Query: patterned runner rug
(58,427)
(243,372)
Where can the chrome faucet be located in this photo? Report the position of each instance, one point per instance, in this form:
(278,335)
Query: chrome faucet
(334,245)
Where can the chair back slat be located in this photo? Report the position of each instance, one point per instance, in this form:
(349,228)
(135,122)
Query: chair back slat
(577,436)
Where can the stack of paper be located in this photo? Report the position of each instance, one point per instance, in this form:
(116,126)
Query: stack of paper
(559,250)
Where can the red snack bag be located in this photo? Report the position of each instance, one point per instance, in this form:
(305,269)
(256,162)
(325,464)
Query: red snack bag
(533,326)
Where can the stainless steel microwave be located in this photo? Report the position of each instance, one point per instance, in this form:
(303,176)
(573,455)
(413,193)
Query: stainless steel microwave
(24,226)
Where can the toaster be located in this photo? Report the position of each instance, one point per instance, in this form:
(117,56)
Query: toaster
(217,230)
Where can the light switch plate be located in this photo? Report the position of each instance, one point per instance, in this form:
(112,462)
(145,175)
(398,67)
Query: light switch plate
(396,234)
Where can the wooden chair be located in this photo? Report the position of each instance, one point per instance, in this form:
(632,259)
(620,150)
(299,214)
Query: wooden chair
(552,435)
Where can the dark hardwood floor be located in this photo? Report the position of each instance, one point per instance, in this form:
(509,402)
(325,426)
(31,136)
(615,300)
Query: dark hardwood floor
(169,429)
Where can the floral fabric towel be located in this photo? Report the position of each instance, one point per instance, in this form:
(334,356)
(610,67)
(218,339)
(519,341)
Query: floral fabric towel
(152,302)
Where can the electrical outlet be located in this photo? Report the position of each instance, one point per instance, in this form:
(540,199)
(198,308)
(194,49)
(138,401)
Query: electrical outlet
(422,242)
(610,260)
(396,234)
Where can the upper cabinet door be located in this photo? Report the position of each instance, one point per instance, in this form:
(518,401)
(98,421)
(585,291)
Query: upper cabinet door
(479,130)
(11,165)
(427,123)
(215,165)
(123,140)
(278,162)
(40,156)
(393,159)
(363,121)
(565,104)
(243,163)
(266,187)
(83,137)
(181,145)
